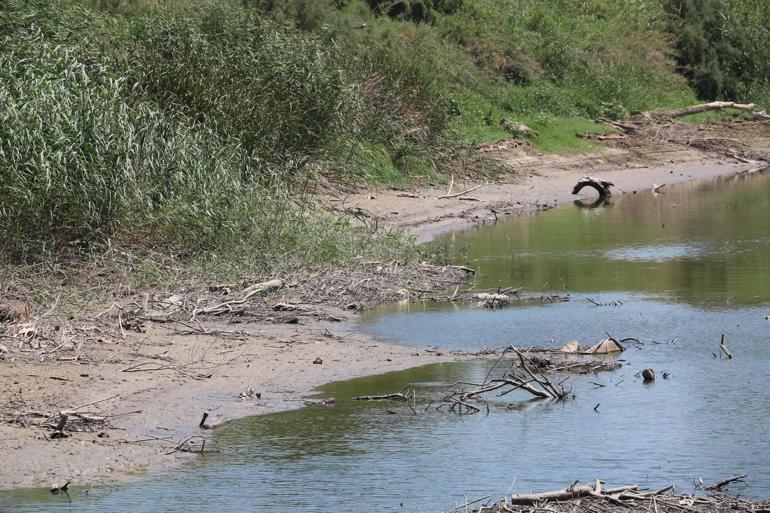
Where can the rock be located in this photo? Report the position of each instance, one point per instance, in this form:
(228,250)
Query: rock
(3,349)
(492,300)
(606,346)
(13,311)
(517,129)
(318,361)
(648,375)
(570,347)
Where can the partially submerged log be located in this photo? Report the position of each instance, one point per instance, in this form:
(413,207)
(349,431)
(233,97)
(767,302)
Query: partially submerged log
(601,186)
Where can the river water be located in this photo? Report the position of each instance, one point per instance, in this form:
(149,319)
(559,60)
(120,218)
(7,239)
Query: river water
(675,270)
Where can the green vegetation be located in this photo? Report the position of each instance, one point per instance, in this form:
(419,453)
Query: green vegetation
(194,128)
(723,47)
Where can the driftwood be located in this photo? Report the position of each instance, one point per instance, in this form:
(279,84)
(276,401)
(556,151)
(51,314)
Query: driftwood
(462,193)
(601,186)
(246,295)
(710,107)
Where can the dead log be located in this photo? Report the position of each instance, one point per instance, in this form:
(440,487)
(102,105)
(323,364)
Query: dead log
(601,186)
(710,107)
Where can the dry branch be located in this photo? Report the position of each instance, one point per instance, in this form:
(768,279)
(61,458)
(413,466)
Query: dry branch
(721,484)
(246,295)
(462,193)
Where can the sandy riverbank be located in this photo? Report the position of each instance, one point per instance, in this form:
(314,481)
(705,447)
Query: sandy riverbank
(538,181)
(153,380)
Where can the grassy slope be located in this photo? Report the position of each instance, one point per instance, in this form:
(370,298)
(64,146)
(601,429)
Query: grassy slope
(193,128)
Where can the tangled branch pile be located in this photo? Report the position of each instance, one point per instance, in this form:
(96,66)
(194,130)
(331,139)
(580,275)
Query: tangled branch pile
(595,498)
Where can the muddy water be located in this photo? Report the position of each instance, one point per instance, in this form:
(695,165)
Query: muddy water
(682,268)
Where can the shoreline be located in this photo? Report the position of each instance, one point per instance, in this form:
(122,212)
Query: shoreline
(427,216)
(274,358)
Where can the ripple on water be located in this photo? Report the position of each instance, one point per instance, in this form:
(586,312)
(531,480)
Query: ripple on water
(657,253)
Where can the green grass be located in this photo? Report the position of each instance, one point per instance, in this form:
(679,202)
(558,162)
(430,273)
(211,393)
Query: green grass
(562,135)
(706,118)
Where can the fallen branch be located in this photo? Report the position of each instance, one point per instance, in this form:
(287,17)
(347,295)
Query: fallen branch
(462,193)
(721,484)
(572,492)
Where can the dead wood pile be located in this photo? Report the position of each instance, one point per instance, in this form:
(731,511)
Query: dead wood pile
(528,372)
(663,126)
(596,498)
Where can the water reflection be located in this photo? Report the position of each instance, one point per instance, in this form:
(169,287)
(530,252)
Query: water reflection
(705,244)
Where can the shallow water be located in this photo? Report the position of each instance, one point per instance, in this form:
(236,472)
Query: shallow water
(687,265)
